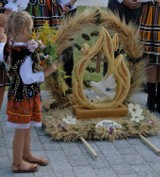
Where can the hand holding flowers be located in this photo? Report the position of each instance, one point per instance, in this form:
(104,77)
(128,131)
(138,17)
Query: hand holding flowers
(43,47)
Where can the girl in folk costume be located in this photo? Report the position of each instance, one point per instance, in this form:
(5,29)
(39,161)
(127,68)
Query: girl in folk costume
(5,9)
(45,10)
(150,37)
(24,103)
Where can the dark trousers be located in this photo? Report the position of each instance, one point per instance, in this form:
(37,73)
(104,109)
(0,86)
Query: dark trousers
(67,55)
(130,15)
(68,64)
(124,12)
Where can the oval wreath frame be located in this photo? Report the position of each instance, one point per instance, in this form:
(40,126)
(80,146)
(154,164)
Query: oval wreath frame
(127,34)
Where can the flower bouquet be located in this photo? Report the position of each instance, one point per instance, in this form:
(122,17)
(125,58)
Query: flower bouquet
(43,47)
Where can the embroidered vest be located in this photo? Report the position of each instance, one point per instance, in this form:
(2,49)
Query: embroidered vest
(17,88)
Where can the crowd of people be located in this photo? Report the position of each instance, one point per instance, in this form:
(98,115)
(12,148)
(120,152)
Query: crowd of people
(17,19)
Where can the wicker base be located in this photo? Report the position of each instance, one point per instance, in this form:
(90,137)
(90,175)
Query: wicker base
(84,113)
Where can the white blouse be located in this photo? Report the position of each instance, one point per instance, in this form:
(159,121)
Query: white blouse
(64,2)
(26,73)
(16,6)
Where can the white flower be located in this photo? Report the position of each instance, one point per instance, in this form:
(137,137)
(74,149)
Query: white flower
(69,120)
(137,119)
(32,45)
(134,110)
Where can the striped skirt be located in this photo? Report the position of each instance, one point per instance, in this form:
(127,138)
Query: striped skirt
(49,11)
(4,80)
(150,31)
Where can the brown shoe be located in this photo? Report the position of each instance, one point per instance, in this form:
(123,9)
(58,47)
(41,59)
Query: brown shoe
(33,167)
(40,161)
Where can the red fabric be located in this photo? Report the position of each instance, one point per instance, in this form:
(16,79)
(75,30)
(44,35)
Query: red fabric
(25,111)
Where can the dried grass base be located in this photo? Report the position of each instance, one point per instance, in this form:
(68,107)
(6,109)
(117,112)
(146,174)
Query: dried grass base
(54,126)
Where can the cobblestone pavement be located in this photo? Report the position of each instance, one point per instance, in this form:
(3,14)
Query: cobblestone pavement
(122,158)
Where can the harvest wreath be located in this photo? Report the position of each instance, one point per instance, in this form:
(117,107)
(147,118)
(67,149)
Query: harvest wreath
(62,124)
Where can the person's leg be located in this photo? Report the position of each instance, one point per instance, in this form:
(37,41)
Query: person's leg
(18,144)
(151,75)
(27,154)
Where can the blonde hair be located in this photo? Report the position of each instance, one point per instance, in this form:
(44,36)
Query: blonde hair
(16,22)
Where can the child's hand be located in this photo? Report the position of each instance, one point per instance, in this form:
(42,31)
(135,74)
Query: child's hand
(54,67)
(49,70)
(3,37)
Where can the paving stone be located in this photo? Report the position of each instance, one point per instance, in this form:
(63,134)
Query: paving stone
(123,169)
(2,142)
(106,172)
(155,141)
(106,147)
(121,144)
(24,175)
(147,174)
(142,167)
(65,173)
(33,132)
(98,162)
(134,159)
(3,151)
(84,171)
(46,171)
(49,144)
(155,166)
(58,159)
(40,131)
(4,162)
(2,117)
(68,145)
(128,151)
(6,172)
(115,159)
(129,175)
(78,160)
(74,151)
(91,143)
(149,155)
(36,146)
